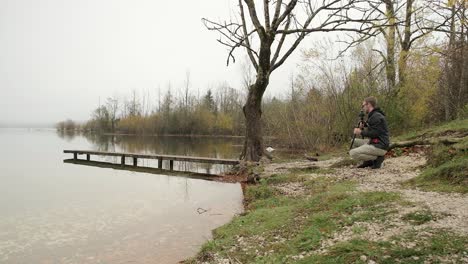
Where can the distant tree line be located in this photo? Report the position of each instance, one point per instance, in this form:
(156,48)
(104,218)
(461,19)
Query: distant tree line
(214,113)
(68,125)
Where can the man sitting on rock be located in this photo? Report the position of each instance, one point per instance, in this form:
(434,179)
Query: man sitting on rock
(371,151)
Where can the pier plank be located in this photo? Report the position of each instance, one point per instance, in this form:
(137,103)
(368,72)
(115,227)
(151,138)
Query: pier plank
(159,157)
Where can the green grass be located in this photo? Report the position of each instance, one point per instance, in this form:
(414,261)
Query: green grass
(451,176)
(446,170)
(421,249)
(302,221)
(334,153)
(419,217)
(434,131)
(313,169)
(447,166)
(462,146)
(285,178)
(345,163)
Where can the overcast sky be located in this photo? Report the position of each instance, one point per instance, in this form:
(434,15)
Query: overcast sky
(59,57)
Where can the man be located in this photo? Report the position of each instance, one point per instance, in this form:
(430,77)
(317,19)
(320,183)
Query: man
(371,151)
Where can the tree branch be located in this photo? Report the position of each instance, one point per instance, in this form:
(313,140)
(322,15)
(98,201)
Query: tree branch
(244,28)
(254,18)
(280,44)
(289,8)
(266,11)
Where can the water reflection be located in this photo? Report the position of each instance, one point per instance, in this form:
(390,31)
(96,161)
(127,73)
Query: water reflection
(54,212)
(170,145)
(215,147)
(187,173)
(68,135)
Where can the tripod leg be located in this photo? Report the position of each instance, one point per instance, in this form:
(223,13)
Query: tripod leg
(352,142)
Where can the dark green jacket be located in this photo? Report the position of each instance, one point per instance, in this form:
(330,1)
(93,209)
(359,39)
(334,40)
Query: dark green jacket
(377,129)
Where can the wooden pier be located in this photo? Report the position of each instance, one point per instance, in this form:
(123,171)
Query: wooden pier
(160,158)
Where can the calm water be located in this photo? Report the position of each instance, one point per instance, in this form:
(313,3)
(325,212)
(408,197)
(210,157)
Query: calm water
(54,212)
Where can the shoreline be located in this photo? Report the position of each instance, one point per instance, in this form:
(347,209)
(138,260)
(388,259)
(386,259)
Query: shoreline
(161,135)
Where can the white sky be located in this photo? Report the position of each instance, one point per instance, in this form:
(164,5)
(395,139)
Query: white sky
(58,57)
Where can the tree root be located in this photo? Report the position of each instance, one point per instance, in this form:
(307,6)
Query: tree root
(429,141)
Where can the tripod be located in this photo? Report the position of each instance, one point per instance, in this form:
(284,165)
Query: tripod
(360,125)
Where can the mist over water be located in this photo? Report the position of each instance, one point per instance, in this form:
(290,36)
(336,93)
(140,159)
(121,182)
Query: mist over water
(53,212)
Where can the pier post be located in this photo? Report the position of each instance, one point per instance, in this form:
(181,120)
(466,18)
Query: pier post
(135,161)
(75,156)
(160,160)
(88,157)
(122,160)
(171,165)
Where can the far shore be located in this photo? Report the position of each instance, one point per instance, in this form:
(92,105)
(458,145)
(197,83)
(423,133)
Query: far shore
(169,135)
(162,135)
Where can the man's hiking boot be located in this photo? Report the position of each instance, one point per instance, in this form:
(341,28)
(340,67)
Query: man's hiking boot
(365,164)
(378,162)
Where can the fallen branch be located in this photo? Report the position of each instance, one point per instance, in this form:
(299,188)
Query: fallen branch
(429,141)
(201,210)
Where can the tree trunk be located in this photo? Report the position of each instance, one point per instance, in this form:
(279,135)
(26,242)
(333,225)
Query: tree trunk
(402,65)
(253,144)
(405,45)
(462,87)
(450,72)
(391,40)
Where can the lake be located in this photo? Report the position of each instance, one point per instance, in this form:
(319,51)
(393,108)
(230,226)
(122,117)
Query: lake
(55,212)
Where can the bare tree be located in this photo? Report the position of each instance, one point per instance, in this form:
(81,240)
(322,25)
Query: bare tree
(408,22)
(451,19)
(186,90)
(133,107)
(112,105)
(270,40)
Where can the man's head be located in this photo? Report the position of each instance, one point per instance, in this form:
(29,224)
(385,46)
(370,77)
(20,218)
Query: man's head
(369,104)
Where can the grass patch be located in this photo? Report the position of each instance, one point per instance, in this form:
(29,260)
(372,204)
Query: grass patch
(446,170)
(461,146)
(345,163)
(419,217)
(409,248)
(456,126)
(325,171)
(279,226)
(453,172)
(447,166)
(259,192)
(335,153)
(309,169)
(285,177)
(312,169)
(263,195)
